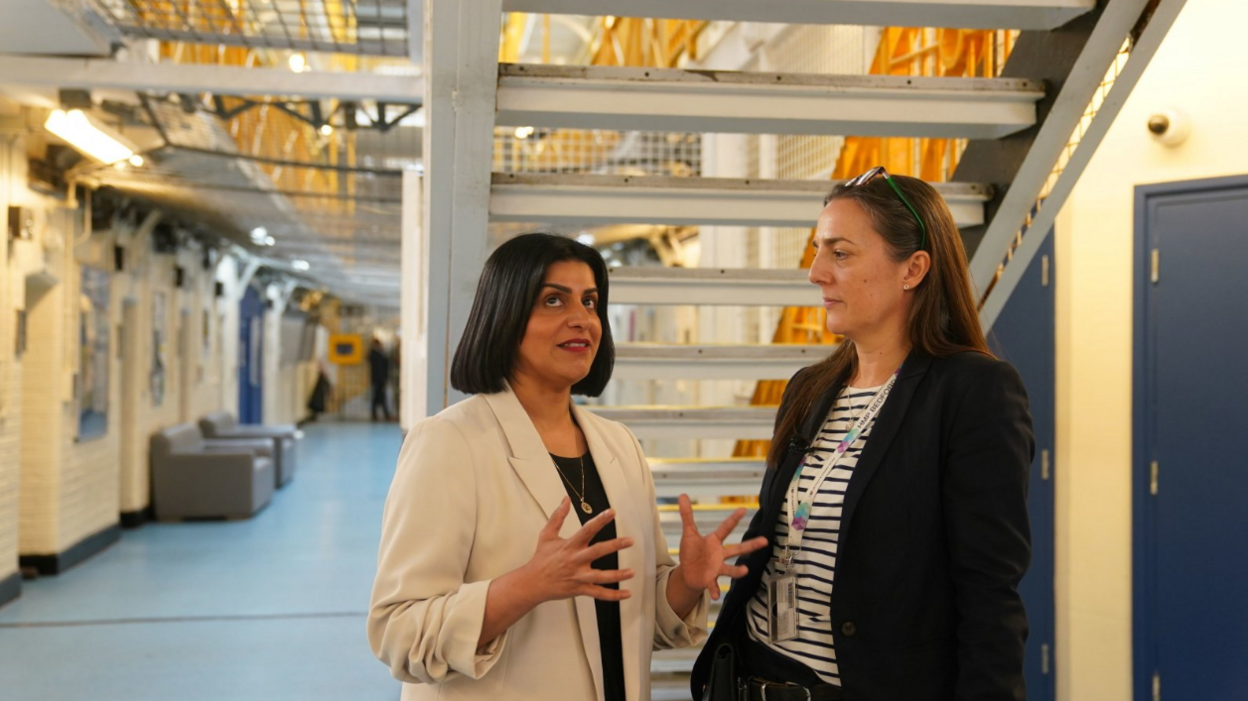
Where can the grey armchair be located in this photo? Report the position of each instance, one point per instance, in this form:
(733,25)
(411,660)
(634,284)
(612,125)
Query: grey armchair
(191,479)
(221,426)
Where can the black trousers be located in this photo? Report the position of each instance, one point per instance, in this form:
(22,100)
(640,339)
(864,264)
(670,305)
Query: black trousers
(379,400)
(759,661)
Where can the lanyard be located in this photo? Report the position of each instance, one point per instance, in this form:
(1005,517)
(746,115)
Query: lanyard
(799,512)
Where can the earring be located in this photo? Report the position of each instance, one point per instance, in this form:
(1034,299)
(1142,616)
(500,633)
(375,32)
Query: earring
(905,287)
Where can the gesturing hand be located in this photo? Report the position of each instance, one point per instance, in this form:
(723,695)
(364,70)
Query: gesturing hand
(561,569)
(702,557)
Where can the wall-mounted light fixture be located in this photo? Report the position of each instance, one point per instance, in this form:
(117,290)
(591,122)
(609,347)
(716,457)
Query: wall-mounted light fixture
(84,135)
(260,237)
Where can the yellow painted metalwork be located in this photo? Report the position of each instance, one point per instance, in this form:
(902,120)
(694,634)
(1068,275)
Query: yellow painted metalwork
(914,51)
(675,508)
(513,36)
(635,41)
(270,133)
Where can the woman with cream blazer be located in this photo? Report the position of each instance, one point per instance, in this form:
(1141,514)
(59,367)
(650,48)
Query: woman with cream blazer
(485,589)
(481,463)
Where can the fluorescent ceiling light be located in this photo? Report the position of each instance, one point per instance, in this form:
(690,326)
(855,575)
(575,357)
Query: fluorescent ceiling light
(74,127)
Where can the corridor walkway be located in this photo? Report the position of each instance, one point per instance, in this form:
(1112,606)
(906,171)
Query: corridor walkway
(267,609)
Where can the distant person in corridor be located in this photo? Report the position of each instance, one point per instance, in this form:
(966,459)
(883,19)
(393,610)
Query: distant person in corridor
(379,374)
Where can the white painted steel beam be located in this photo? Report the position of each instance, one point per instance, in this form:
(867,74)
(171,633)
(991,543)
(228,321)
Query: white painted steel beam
(652,361)
(968,14)
(712,286)
(414,304)
(668,99)
(106,74)
(461,68)
(679,423)
(699,477)
(416,30)
(596,200)
(1085,79)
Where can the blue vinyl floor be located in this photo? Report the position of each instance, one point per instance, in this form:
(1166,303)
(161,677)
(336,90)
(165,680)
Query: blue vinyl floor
(266,609)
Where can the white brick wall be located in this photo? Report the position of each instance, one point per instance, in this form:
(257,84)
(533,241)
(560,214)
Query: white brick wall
(88,500)
(43,369)
(10,380)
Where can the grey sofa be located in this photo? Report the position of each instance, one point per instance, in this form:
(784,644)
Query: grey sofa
(192,478)
(221,425)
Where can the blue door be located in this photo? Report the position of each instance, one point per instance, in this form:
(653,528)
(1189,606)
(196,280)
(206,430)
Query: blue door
(251,358)
(1023,335)
(1190,470)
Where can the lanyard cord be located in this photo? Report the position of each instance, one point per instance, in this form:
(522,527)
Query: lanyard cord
(799,512)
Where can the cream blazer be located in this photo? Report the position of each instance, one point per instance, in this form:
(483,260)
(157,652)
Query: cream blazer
(473,487)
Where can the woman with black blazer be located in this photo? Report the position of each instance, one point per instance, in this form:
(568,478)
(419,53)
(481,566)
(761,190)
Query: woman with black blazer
(895,498)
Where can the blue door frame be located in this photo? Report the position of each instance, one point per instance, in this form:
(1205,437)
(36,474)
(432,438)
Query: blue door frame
(1189,534)
(1023,335)
(251,358)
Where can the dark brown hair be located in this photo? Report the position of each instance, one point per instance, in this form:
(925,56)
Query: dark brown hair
(943,316)
(506,293)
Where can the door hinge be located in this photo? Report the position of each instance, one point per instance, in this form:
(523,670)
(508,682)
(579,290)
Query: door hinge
(1044,271)
(1156,686)
(1155,276)
(1044,658)
(1152,478)
(1044,465)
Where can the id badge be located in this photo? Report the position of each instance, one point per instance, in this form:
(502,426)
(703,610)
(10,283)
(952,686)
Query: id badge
(781,606)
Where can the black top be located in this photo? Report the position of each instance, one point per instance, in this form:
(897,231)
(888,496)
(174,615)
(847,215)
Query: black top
(609,634)
(934,538)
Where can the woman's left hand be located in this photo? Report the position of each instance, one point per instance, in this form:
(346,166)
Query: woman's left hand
(702,558)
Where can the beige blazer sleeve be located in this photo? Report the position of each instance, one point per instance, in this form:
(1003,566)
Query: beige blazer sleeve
(424,619)
(670,631)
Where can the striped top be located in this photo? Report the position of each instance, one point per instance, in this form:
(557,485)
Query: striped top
(815,563)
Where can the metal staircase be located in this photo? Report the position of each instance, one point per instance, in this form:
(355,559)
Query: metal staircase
(1030,129)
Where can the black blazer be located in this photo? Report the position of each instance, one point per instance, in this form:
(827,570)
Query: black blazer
(934,539)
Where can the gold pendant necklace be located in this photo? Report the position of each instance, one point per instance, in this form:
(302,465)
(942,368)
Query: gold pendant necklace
(581,494)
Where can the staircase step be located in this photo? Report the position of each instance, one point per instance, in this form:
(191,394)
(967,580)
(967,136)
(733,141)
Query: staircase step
(679,423)
(595,200)
(672,662)
(712,286)
(676,100)
(968,14)
(653,361)
(707,517)
(707,477)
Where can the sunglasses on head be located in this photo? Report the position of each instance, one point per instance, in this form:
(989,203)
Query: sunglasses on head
(879,171)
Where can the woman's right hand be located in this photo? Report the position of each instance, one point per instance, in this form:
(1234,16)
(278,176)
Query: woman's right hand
(561,569)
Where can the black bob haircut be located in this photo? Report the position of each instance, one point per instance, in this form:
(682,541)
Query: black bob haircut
(506,293)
